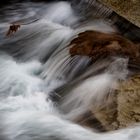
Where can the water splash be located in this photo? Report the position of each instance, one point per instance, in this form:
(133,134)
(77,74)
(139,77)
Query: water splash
(93,89)
(36,62)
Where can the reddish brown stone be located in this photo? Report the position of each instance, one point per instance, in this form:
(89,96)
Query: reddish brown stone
(99,45)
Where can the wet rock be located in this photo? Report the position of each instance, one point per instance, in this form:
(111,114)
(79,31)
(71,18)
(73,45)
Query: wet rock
(119,110)
(122,107)
(100,45)
(106,113)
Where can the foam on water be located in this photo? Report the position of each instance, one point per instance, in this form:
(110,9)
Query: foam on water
(36,60)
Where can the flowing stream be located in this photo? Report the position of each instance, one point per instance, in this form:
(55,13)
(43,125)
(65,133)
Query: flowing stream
(36,70)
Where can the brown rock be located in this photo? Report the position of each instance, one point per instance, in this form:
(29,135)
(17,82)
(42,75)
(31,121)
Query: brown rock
(121,108)
(99,45)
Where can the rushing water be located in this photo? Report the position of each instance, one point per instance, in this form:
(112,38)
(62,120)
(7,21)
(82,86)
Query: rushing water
(35,65)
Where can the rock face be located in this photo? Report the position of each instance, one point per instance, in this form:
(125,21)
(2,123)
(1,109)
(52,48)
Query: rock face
(128,101)
(129,9)
(122,107)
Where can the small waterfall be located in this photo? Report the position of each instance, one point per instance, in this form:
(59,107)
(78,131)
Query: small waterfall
(42,87)
(93,86)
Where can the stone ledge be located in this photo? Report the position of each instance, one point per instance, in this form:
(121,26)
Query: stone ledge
(129,9)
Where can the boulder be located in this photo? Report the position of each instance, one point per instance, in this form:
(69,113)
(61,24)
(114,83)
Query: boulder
(122,107)
(100,45)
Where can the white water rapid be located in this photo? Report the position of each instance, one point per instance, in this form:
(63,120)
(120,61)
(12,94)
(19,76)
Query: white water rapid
(35,65)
